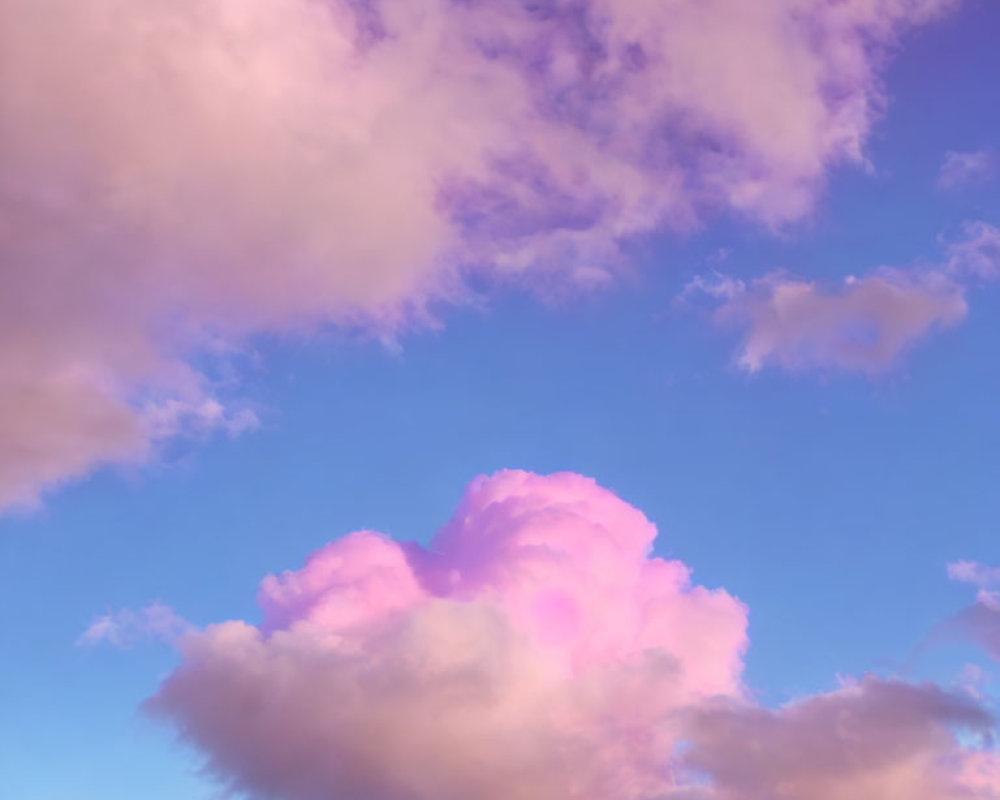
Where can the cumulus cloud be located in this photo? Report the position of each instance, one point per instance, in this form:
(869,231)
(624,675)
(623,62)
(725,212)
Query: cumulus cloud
(535,649)
(966,169)
(863,324)
(180,172)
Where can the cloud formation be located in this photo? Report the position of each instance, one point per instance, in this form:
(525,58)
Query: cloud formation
(869,741)
(531,650)
(179,173)
(865,324)
(967,169)
(535,649)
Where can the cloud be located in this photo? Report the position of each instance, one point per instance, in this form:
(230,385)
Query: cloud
(176,173)
(535,649)
(127,627)
(792,323)
(979,622)
(863,324)
(976,256)
(967,169)
(981,575)
(532,650)
(873,740)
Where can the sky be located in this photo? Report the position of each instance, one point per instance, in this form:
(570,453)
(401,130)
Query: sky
(604,385)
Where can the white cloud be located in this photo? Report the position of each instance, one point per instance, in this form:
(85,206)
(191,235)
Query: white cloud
(127,627)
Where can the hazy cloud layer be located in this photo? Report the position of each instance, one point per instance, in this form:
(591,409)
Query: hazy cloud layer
(865,323)
(979,622)
(967,169)
(179,173)
(534,649)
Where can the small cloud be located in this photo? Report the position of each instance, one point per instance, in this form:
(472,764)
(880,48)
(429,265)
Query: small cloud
(199,416)
(975,573)
(127,627)
(967,169)
(864,323)
(719,287)
(977,253)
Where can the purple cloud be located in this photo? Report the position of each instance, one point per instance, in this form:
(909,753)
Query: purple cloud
(967,169)
(178,173)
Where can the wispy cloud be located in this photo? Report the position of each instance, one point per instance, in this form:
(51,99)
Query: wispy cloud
(967,169)
(127,627)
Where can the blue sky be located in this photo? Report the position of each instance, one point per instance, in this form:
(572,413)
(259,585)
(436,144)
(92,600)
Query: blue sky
(828,501)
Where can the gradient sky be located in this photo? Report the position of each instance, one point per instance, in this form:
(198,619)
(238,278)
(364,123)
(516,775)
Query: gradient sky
(827,492)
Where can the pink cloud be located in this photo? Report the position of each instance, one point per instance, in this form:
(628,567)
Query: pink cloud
(179,172)
(863,324)
(535,649)
(965,169)
(981,774)
(981,575)
(532,649)
(873,740)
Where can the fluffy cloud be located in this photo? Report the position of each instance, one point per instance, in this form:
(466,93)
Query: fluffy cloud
(965,169)
(864,324)
(535,649)
(176,173)
(532,650)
